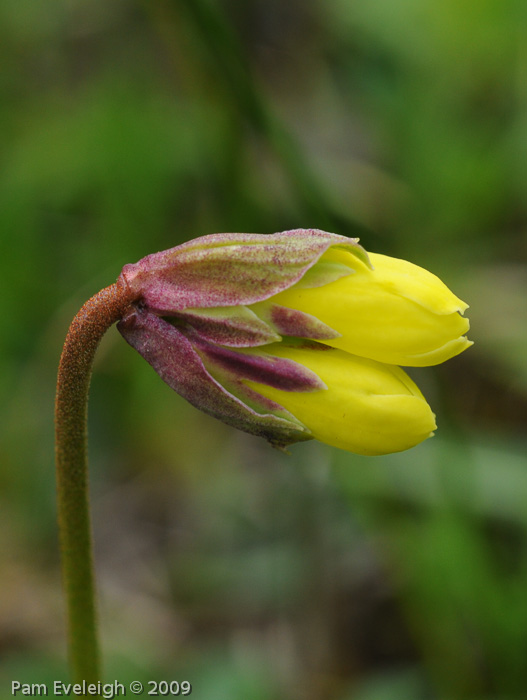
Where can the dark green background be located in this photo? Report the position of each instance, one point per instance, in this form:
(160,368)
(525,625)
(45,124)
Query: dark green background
(129,127)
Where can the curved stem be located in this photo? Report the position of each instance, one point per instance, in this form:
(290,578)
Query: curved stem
(71,403)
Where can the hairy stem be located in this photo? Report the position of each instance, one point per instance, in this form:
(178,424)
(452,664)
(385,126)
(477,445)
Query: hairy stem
(71,404)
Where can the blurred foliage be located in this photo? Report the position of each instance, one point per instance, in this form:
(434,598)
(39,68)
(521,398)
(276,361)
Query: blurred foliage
(129,127)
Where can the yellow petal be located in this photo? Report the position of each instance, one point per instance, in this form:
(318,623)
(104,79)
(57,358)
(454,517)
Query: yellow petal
(369,408)
(396,313)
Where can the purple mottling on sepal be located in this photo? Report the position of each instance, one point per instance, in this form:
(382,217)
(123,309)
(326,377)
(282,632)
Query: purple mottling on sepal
(299,324)
(230,269)
(277,372)
(253,397)
(236,327)
(176,361)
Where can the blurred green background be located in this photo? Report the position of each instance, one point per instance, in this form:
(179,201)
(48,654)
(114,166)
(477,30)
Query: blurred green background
(129,127)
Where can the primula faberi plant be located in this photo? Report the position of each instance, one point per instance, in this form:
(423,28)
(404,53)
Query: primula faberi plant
(293,336)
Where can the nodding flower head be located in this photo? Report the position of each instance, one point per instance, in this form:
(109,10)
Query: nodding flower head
(295,335)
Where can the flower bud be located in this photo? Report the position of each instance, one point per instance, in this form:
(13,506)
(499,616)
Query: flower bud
(369,408)
(391,311)
(295,335)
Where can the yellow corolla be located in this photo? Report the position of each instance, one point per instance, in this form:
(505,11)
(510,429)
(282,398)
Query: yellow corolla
(394,312)
(368,408)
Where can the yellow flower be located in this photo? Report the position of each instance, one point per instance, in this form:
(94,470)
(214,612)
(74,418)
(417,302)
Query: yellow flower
(296,335)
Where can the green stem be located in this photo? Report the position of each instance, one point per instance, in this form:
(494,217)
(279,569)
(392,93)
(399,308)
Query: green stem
(73,383)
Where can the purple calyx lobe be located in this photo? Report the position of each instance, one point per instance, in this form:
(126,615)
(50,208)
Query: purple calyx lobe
(230,269)
(242,327)
(299,324)
(263,368)
(237,327)
(174,357)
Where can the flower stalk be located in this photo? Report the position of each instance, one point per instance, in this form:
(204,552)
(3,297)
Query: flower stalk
(87,328)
